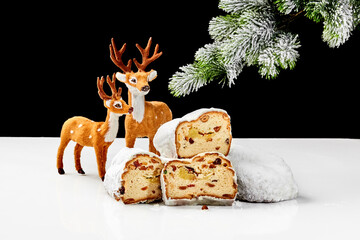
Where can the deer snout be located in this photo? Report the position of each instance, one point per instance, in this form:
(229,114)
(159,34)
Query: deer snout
(131,109)
(145,88)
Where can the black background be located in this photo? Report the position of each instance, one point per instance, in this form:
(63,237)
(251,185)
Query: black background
(54,53)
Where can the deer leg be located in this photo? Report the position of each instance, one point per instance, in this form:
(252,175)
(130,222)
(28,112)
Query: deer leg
(130,140)
(99,155)
(60,154)
(77,154)
(151,146)
(104,159)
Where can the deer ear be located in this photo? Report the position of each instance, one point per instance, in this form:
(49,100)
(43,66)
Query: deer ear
(121,77)
(107,103)
(152,75)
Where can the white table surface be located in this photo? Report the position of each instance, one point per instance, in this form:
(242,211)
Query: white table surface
(38,203)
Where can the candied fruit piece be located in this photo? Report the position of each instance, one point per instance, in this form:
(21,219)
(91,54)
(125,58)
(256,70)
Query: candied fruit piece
(186,174)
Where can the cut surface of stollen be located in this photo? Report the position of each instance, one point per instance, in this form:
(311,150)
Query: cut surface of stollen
(207,178)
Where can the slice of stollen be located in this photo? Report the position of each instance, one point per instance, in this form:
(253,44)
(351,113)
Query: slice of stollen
(207,178)
(134,176)
(203,130)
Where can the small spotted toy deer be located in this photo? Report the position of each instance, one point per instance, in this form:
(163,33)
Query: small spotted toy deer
(99,135)
(147,117)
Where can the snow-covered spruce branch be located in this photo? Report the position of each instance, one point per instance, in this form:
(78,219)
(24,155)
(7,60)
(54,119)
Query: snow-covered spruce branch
(281,53)
(253,33)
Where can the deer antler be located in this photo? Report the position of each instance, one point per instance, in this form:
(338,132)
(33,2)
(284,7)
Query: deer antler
(102,94)
(115,56)
(112,86)
(145,55)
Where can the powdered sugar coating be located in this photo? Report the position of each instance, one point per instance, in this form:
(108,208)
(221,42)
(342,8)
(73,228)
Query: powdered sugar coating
(164,139)
(262,176)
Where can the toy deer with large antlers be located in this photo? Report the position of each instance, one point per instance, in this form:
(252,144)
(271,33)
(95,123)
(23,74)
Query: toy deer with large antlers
(99,135)
(147,117)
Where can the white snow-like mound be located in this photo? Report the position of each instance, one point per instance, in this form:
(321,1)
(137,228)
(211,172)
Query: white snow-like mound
(262,176)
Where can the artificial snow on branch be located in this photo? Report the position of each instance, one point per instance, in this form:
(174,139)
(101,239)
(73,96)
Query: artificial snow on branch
(253,34)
